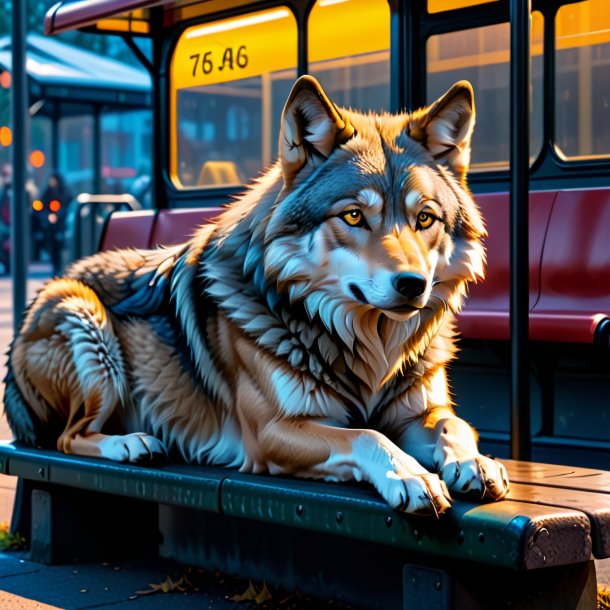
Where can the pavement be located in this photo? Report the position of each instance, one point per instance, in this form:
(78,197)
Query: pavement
(133,585)
(117,586)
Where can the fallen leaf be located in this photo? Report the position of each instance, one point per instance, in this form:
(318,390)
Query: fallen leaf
(263,595)
(603,597)
(248,595)
(168,586)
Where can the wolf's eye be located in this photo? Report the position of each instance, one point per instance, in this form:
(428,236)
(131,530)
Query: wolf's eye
(425,220)
(354,218)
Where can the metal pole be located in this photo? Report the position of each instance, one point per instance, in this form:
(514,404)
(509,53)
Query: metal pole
(412,60)
(160,146)
(55,138)
(97,151)
(519,210)
(19,200)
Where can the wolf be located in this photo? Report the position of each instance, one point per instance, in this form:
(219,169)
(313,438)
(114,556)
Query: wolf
(305,332)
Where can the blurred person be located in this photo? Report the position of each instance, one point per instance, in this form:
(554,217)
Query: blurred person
(55,200)
(5,218)
(6,196)
(37,233)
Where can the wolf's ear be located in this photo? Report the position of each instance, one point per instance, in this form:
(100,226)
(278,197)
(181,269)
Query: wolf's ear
(311,128)
(445,127)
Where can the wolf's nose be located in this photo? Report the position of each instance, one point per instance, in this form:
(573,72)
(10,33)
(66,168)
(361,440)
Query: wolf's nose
(410,285)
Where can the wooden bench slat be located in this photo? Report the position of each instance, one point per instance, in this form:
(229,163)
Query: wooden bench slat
(554,475)
(190,486)
(503,534)
(595,505)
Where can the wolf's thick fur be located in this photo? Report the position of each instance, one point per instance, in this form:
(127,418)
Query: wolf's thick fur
(305,332)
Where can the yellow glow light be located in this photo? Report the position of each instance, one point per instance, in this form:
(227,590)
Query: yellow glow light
(437,6)
(234,24)
(37,205)
(329,38)
(6,136)
(37,158)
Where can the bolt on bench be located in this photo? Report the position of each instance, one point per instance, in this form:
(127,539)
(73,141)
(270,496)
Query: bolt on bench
(533,550)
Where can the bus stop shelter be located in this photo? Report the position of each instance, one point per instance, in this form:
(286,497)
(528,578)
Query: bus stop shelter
(64,81)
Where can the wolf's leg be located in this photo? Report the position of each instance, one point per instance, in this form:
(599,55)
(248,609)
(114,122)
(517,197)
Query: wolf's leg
(68,359)
(307,448)
(444,442)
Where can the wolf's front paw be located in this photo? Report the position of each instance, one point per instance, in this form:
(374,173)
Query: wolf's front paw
(423,494)
(473,475)
(136,447)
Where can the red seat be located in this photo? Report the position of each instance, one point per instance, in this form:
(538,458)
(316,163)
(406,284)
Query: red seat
(485,314)
(569,245)
(175,226)
(128,230)
(575,270)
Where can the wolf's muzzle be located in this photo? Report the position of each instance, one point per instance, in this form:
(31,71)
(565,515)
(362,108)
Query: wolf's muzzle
(409,285)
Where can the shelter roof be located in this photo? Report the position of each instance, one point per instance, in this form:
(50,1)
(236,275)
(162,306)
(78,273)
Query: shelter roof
(69,15)
(127,16)
(59,72)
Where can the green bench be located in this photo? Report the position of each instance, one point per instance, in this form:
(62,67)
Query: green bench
(336,541)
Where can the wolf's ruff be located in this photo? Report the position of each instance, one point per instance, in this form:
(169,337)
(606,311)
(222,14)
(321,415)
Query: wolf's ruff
(305,332)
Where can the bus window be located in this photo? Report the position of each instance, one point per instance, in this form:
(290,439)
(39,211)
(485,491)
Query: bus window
(228,86)
(438,6)
(349,51)
(482,56)
(582,94)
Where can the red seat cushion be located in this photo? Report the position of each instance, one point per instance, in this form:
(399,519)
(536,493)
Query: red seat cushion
(485,314)
(575,272)
(128,230)
(176,226)
(569,246)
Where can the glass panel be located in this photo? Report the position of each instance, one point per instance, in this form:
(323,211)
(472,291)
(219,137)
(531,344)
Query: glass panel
(228,88)
(76,153)
(133,26)
(482,56)
(437,6)
(126,146)
(582,58)
(349,42)
(134,22)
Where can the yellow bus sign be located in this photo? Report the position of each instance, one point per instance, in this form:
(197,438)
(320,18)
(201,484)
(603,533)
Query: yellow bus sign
(230,51)
(234,48)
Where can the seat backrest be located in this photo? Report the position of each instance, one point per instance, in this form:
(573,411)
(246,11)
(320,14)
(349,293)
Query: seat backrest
(175,226)
(493,294)
(575,273)
(128,230)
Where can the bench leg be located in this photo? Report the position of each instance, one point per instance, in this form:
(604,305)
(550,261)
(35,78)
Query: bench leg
(478,587)
(22,507)
(427,588)
(73,525)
